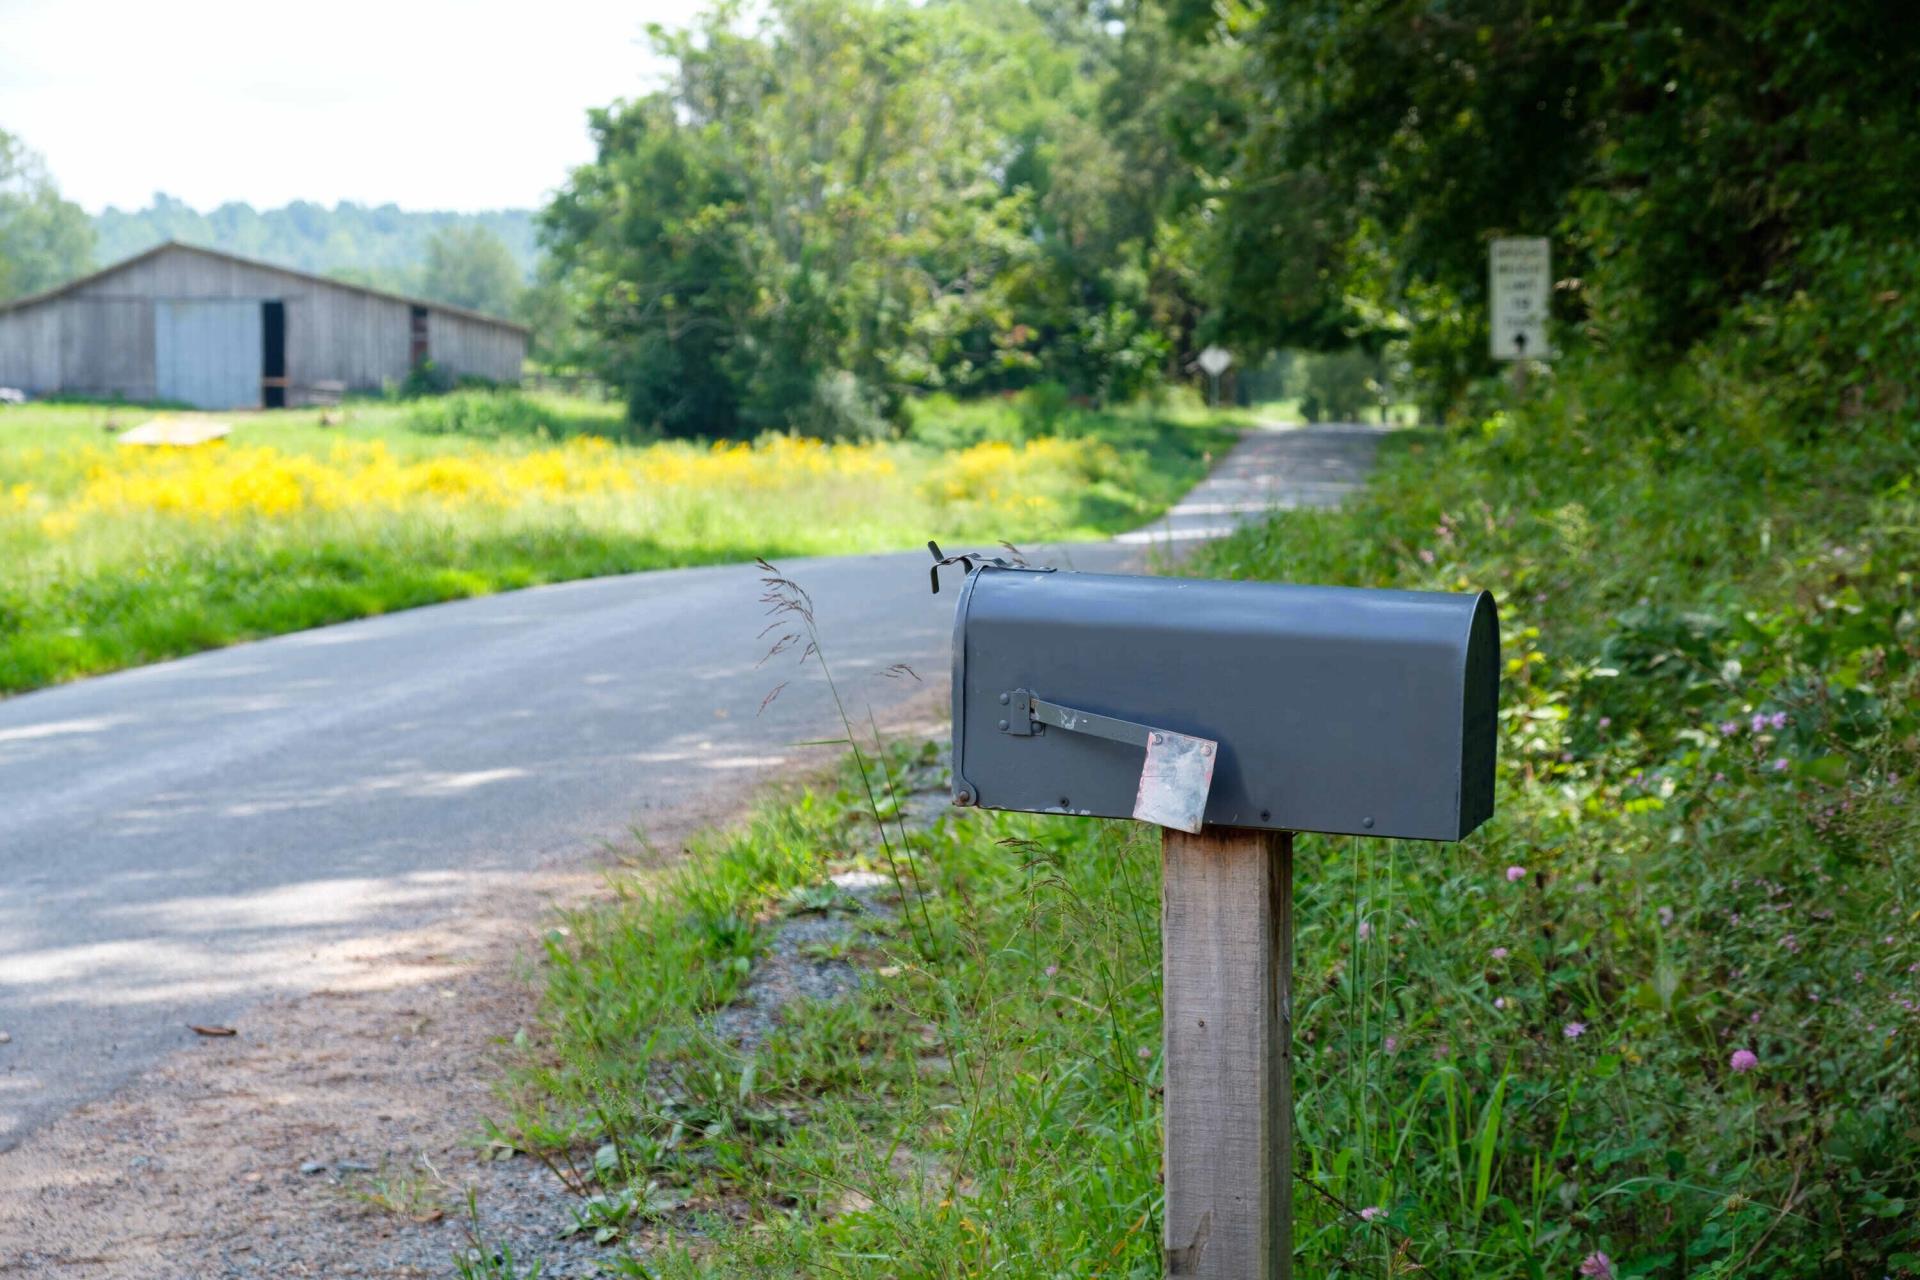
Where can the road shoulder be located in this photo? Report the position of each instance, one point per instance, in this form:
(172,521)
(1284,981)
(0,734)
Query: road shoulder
(313,1141)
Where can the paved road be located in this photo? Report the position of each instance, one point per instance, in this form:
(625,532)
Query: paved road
(179,841)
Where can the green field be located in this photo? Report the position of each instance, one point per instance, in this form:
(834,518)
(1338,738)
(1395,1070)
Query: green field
(117,555)
(1661,1017)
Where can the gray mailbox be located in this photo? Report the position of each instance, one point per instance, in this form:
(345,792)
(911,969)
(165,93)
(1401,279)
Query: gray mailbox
(1188,702)
(1232,714)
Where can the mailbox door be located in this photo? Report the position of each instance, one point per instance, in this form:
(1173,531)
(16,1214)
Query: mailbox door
(1335,709)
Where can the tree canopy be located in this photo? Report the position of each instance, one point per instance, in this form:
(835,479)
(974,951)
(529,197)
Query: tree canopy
(44,239)
(1681,156)
(835,204)
(844,201)
(471,266)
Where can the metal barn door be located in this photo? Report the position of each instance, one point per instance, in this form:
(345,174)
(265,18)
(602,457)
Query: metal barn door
(206,352)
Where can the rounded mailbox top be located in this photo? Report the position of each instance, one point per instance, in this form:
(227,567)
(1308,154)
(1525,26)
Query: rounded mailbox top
(1339,709)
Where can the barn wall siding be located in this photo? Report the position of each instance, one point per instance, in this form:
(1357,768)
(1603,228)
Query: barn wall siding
(106,347)
(337,335)
(469,346)
(98,338)
(30,349)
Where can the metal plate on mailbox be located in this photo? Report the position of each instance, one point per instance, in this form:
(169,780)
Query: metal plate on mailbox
(1333,709)
(1175,780)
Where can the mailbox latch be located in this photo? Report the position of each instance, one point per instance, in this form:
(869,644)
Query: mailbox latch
(1028,714)
(1042,712)
(1178,773)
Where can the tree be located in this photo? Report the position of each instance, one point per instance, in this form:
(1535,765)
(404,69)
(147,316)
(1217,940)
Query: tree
(44,240)
(649,245)
(1683,156)
(840,202)
(807,221)
(470,266)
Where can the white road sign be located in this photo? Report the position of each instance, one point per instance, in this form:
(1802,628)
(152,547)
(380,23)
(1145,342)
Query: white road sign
(1216,361)
(1519,281)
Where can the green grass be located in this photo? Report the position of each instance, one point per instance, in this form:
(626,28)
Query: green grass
(272,531)
(1709,744)
(889,1135)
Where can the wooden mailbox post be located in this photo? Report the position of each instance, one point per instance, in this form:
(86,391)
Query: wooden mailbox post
(1226,948)
(1262,710)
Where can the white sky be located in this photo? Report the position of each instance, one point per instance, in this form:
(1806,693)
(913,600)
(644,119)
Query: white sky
(429,104)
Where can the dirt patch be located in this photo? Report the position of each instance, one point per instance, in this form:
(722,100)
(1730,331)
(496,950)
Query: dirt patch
(337,1134)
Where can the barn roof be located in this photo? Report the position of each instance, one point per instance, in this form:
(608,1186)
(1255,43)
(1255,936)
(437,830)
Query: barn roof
(28,300)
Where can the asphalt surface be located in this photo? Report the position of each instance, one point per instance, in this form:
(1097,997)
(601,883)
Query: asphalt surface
(182,840)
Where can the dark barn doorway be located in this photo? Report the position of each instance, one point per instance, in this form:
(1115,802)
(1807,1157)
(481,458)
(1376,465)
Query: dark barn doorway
(273,354)
(417,346)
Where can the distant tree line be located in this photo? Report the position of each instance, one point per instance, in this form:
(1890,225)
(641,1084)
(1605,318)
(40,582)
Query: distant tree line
(384,246)
(482,260)
(835,203)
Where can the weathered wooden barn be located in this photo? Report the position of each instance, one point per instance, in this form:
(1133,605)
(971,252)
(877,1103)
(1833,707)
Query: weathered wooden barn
(209,329)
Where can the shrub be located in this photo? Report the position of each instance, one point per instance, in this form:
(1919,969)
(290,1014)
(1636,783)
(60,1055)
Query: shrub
(1336,386)
(946,423)
(840,408)
(426,378)
(492,414)
(1041,407)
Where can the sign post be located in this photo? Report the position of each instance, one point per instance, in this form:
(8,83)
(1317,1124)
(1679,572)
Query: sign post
(1519,284)
(1215,361)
